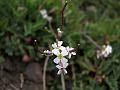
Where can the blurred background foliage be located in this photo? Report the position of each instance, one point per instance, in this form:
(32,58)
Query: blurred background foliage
(21,23)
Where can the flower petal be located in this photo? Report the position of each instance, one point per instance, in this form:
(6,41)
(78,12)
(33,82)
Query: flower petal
(62,48)
(64,60)
(65,65)
(56,60)
(73,53)
(56,52)
(54,45)
(59,72)
(69,56)
(60,43)
(58,66)
(65,71)
(43,12)
(64,52)
(108,49)
(68,48)
(47,51)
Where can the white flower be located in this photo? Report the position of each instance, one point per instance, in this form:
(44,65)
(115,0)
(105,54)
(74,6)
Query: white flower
(98,52)
(62,68)
(45,15)
(59,32)
(48,52)
(57,45)
(109,49)
(71,52)
(60,55)
(61,52)
(105,52)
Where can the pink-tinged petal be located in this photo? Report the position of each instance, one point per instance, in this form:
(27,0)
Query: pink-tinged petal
(106,55)
(65,65)
(64,60)
(58,66)
(70,49)
(65,71)
(67,48)
(60,43)
(64,52)
(59,72)
(54,45)
(56,60)
(56,52)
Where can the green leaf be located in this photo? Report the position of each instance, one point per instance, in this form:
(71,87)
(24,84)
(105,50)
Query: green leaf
(112,83)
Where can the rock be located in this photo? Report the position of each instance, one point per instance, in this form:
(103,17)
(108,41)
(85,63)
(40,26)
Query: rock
(34,72)
(26,58)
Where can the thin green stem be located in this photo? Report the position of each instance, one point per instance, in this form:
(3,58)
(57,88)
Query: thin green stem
(44,72)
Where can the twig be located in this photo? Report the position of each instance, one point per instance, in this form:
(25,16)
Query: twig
(51,28)
(62,24)
(44,72)
(15,88)
(63,81)
(37,48)
(91,40)
(21,80)
(62,15)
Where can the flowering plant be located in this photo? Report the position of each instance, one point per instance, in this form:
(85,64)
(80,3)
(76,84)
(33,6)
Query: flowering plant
(63,54)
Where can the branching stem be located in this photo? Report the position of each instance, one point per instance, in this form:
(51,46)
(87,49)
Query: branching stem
(91,40)
(62,15)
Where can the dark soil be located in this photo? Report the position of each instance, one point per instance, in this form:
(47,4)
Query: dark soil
(20,76)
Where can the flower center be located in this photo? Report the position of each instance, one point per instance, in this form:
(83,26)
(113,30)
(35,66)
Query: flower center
(60,56)
(58,47)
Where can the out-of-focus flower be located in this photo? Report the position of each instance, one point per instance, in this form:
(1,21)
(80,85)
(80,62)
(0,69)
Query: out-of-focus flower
(105,52)
(59,32)
(98,53)
(70,51)
(47,52)
(62,68)
(45,15)
(109,49)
